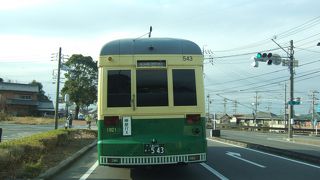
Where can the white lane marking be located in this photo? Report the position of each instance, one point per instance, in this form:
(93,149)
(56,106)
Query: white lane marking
(87,174)
(222,177)
(238,156)
(299,162)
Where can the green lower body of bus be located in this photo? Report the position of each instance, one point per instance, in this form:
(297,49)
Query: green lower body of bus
(152,142)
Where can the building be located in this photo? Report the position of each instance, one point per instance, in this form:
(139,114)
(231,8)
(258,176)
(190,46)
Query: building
(45,108)
(22,100)
(266,119)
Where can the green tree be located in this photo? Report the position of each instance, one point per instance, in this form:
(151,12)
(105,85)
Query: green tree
(41,95)
(81,81)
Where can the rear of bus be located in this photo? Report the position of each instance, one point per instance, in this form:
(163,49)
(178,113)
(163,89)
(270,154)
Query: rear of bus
(151,103)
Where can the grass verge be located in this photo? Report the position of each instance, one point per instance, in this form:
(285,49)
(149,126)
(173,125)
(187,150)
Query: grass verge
(28,119)
(34,120)
(30,156)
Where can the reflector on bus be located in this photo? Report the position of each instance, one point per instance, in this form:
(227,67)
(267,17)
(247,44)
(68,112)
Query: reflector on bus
(111,120)
(193,118)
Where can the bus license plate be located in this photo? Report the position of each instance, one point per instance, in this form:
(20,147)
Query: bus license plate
(154,148)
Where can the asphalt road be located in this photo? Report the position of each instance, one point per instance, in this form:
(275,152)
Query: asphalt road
(14,131)
(225,161)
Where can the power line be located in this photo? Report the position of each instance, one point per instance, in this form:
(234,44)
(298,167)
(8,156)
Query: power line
(268,73)
(306,38)
(297,77)
(299,28)
(255,44)
(282,35)
(253,76)
(287,31)
(317,70)
(307,78)
(236,101)
(305,49)
(314,42)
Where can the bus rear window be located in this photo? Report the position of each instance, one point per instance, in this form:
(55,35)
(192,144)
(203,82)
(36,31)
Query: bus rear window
(119,88)
(152,87)
(184,87)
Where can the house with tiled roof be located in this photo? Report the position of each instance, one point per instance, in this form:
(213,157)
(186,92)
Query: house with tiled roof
(21,99)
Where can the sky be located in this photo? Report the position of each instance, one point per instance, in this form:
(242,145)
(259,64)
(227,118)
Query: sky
(229,32)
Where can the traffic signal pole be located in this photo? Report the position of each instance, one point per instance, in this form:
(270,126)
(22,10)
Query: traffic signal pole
(291,65)
(291,112)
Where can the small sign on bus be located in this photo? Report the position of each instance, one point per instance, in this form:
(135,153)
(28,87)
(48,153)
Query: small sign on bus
(151,63)
(126,126)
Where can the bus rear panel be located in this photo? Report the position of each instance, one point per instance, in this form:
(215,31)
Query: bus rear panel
(151,102)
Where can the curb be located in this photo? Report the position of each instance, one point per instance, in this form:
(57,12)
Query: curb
(282,152)
(63,164)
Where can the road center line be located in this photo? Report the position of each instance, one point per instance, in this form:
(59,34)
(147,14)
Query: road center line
(299,162)
(92,168)
(222,177)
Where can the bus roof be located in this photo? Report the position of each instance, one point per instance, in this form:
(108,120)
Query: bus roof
(150,46)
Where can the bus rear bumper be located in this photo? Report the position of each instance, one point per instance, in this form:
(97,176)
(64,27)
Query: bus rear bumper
(152,160)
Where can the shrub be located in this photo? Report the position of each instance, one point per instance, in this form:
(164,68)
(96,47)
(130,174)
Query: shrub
(10,161)
(32,170)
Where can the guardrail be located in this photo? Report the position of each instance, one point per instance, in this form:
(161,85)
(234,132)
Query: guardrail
(265,129)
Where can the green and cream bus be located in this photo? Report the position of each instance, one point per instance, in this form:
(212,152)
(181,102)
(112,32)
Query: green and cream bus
(151,102)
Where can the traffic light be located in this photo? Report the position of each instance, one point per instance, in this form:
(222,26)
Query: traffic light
(269,58)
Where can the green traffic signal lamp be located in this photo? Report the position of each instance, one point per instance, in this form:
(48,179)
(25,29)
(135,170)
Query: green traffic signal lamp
(259,55)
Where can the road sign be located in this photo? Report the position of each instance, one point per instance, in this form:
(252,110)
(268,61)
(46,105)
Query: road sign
(286,62)
(294,102)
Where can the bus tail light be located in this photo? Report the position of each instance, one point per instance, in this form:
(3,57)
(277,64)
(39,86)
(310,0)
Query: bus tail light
(111,120)
(193,118)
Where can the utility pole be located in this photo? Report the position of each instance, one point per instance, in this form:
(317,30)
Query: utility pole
(291,112)
(225,105)
(314,102)
(285,116)
(269,107)
(208,99)
(256,108)
(235,107)
(291,66)
(56,113)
